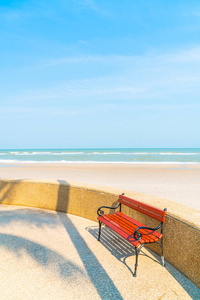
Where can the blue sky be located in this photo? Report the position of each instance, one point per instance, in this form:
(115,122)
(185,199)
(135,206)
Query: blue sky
(87,73)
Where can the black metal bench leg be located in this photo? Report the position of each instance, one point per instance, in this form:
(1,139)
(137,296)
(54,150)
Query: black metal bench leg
(162,256)
(99,230)
(136,261)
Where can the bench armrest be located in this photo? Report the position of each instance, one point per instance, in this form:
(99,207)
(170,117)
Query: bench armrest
(100,212)
(138,235)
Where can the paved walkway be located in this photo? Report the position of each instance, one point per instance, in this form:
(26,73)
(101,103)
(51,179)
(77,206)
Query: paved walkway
(50,255)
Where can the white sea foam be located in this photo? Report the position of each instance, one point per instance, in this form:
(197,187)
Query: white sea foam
(141,153)
(23,153)
(20,153)
(41,153)
(178,153)
(31,153)
(10,161)
(14,152)
(68,153)
(123,153)
(104,153)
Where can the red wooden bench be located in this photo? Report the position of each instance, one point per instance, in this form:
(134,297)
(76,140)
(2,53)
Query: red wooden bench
(133,231)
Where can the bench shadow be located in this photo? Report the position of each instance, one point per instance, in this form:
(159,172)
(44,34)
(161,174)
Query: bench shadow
(116,245)
(122,249)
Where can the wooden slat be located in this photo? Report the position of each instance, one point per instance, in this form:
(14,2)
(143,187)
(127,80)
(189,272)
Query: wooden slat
(127,234)
(123,223)
(145,206)
(146,209)
(130,229)
(156,233)
(119,224)
(147,236)
(119,231)
(125,226)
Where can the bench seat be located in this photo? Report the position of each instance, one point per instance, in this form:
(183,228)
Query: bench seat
(125,226)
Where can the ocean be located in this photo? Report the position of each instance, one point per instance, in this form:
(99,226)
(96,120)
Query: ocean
(130,155)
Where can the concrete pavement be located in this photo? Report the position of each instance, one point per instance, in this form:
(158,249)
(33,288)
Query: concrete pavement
(52,255)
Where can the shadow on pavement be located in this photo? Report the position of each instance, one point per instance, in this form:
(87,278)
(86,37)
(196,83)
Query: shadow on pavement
(98,276)
(121,249)
(43,256)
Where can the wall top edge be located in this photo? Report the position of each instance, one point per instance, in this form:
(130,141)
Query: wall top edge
(178,211)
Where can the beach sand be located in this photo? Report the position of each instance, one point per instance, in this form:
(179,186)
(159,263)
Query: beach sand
(179,183)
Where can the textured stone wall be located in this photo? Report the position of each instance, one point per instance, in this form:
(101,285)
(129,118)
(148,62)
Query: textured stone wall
(181,230)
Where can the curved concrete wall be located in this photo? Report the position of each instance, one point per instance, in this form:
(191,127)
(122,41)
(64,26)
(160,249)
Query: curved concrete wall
(181,230)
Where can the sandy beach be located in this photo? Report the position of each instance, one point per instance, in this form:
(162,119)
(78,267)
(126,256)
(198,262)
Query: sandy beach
(179,183)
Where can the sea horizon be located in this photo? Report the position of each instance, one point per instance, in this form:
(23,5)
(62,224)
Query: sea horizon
(102,155)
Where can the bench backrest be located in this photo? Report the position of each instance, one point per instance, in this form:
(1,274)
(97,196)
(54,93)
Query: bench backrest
(146,209)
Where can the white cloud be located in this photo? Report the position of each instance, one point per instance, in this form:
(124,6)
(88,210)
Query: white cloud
(154,77)
(178,56)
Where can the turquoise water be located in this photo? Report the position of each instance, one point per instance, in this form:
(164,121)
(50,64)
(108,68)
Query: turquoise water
(131,155)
